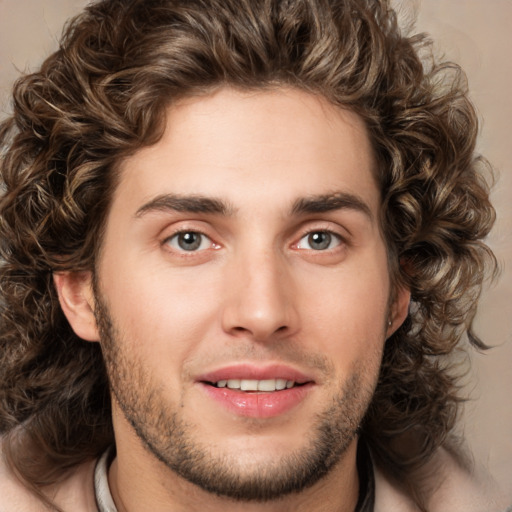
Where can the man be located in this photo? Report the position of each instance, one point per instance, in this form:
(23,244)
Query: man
(240,242)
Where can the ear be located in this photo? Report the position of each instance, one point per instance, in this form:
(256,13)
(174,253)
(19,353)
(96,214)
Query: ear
(399,309)
(77,302)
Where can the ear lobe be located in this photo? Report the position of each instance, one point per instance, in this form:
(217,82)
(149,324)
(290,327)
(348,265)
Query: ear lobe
(399,310)
(77,302)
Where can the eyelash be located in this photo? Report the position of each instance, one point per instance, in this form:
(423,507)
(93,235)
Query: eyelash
(196,232)
(341,240)
(184,252)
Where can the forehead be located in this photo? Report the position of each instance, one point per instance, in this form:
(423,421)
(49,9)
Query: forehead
(254,147)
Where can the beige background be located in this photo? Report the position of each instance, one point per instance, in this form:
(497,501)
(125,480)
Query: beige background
(476,34)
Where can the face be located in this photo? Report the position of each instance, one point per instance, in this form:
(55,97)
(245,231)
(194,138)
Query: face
(242,293)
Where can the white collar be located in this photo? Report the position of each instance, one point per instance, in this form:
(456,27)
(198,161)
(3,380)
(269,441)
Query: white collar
(101,489)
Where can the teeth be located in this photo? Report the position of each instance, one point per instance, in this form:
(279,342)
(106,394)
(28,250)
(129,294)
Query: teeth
(233,383)
(281,384)
(249,385)
(267,385)
(256,385)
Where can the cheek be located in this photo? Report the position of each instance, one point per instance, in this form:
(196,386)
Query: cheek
(347,315)
(166,311)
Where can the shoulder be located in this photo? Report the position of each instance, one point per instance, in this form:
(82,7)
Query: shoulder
(448,487)
(453,487)
(75,493)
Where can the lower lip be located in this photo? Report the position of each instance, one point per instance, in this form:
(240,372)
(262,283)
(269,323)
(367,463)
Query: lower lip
(258,404)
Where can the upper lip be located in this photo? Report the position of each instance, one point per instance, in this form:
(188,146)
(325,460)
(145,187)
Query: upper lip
(255,372)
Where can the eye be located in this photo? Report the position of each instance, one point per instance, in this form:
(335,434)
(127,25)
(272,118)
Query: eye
(319,241)
(189,241)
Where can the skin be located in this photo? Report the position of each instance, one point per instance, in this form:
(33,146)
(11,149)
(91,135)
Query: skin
(256,291)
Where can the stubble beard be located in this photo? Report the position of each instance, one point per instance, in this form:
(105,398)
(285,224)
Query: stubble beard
(171,439)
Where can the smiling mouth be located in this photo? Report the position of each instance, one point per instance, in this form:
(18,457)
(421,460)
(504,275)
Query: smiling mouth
(252,385)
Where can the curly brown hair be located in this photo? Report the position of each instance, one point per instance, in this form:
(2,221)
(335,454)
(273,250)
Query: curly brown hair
(103,95)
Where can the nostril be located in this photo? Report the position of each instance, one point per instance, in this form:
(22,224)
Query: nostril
(239,330)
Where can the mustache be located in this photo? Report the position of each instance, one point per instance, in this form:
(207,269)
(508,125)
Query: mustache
(283,352)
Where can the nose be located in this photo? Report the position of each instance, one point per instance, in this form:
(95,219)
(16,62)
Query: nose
(259,299)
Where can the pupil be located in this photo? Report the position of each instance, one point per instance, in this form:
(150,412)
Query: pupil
(319,240)
(189,241)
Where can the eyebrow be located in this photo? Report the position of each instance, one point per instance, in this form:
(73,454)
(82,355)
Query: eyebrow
(201,204)
(331,202)
(188,204)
